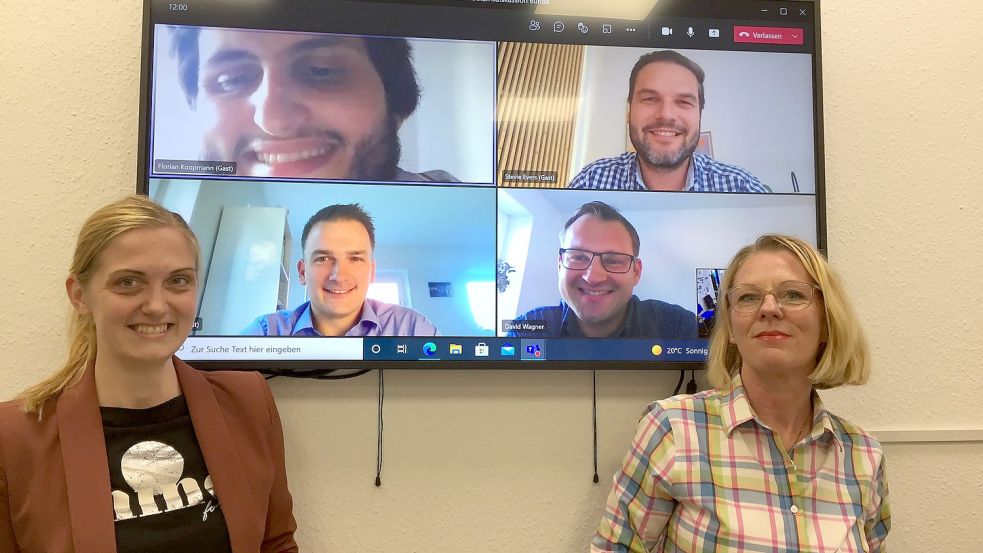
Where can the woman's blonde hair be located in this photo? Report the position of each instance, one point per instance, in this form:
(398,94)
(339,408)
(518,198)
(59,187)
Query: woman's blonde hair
(844,358)
(99,230)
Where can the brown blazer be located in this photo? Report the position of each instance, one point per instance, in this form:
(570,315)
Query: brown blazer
(54,473)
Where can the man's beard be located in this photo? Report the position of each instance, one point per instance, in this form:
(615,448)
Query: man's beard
(373,158)
(664,160)
(376,157)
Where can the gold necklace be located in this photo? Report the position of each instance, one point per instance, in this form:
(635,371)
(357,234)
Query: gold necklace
(805,424)
(802,431)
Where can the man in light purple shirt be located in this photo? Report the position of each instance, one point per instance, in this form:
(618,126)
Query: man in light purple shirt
(337,268)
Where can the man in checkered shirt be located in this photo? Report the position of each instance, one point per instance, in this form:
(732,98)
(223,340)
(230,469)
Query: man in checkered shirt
(665,104)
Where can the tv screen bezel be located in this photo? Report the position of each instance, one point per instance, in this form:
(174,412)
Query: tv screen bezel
(300,367)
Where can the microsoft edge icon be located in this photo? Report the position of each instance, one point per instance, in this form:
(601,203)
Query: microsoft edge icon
(430,349)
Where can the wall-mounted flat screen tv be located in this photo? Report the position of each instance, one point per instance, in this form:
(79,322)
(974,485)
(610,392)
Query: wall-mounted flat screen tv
(476,184)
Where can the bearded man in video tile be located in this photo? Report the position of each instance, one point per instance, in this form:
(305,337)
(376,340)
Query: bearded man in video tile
(665,107)
(300,105)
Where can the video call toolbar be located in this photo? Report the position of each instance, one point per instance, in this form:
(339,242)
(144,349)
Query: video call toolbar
(512,23)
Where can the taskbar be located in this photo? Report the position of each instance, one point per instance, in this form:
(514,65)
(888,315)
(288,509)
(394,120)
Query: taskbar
(444,349)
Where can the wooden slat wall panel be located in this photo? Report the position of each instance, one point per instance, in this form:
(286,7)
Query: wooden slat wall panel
(538,88)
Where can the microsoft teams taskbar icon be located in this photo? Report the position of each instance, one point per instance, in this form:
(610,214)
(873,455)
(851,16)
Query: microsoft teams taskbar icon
(533,350)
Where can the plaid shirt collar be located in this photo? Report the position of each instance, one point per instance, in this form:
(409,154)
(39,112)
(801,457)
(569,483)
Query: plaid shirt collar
(735,411)
(695,166)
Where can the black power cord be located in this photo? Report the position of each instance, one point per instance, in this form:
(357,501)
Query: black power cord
(316,374)
(594,418)
(378,451)
(331,374)
(691,385)
(679,385)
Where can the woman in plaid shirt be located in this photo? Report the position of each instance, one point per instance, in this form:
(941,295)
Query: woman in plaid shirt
(758,463)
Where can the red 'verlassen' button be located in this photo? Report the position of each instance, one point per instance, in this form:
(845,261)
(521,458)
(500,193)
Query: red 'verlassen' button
(768,35)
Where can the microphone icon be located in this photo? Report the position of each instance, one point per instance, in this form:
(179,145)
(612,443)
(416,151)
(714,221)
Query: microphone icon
(689,32)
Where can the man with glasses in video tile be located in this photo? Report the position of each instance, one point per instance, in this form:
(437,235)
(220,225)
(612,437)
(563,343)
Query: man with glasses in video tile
(300,105)
(665,107)
(598,269)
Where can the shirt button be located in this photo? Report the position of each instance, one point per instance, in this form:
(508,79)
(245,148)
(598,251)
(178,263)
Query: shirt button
(794,509)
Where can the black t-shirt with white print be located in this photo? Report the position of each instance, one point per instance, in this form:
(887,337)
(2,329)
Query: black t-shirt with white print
(163,498)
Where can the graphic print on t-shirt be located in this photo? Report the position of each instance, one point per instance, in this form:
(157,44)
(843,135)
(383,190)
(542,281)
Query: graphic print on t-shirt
(153,470)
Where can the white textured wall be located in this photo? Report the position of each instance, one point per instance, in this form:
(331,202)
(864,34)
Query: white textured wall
(492,461)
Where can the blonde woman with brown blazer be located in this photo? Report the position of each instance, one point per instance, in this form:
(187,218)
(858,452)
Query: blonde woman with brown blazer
(127,448)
